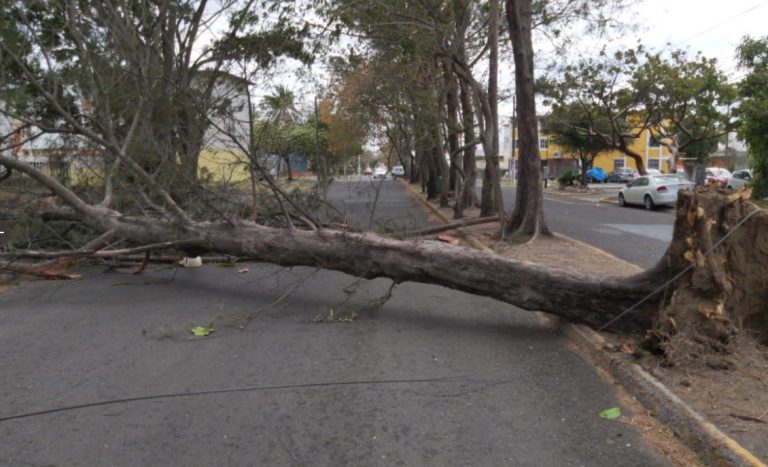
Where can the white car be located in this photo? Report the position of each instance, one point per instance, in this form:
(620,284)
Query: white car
(398,171)
(653,190)
(739,179)
(380,172)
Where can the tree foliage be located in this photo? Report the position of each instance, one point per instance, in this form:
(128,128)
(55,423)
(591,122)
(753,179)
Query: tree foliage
(683,101)
(753,109)
(564,124)
(134,78)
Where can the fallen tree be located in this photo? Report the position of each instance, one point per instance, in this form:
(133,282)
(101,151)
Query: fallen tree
(710,284)
(702,293)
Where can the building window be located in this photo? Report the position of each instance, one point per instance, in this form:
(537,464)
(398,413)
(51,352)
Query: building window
(653,142)
(517,144)
(654,164)
(618,164)
(543,143)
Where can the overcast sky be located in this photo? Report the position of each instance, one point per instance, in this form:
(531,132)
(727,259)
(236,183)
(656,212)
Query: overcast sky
(713,28)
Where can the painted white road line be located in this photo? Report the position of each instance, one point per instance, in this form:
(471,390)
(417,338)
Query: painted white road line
(660,232)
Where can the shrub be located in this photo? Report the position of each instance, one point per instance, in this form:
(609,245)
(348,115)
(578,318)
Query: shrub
(569,178)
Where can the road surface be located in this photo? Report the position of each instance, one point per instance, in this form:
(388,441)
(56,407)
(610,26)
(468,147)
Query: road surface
(302,368)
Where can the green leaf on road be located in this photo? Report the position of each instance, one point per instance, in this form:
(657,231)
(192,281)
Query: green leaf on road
(612,413)
(200,331)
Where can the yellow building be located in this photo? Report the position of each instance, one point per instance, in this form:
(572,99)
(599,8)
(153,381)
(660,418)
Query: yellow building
(555,160)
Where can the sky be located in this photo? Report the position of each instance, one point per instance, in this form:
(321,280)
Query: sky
(693,25)
(713,28)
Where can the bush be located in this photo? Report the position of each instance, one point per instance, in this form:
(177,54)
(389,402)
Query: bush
(569,178)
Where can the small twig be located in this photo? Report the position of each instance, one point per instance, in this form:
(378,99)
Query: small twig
(748,418)
(452,225)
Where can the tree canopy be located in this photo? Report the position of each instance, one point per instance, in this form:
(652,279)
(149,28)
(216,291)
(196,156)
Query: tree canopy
(753,109)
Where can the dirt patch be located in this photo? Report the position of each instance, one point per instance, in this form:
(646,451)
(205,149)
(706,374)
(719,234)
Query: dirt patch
(557,252)
(729,388)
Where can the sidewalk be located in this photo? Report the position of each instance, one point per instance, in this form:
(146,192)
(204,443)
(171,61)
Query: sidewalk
(708,441)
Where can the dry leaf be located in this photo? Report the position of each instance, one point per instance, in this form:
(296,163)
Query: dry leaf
(448,239)
(690,256)
(244,270)
(628,348)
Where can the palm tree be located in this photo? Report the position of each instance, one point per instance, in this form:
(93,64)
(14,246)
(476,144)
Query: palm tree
(280,108)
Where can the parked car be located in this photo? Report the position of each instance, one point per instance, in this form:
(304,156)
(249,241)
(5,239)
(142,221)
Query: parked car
(596,175)
(653,172)
(717,176)
(368,171)
(653,190)
(380,172)
(623,175)
(398,171)
(739,179)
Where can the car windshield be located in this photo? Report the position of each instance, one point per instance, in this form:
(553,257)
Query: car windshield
(664,179)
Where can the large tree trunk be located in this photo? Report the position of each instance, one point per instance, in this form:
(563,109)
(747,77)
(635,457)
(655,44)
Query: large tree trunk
(528,215)
(454,129)
(469,194)
(491,192)
(574,296)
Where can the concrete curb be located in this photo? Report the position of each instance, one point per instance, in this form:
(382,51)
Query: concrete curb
(712,445)
(571,195)
(474,242)
(705,439)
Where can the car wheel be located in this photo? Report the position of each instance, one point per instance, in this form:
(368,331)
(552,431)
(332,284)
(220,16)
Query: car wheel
(621,200)
(649,204)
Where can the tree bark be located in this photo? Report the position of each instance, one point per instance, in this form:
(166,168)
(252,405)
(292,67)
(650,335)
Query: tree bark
(469,194)
(571,295)
(454,129)
(528,216)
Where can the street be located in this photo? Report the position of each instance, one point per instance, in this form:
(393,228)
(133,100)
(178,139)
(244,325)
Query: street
(304,367)
(630,233)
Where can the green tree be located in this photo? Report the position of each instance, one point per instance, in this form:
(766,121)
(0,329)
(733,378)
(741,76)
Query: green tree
(693,99)
(284,139)
(565,124)
(280,106)
(683,102)
(753,110)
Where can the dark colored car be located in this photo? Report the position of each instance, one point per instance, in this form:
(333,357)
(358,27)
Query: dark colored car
(623,175)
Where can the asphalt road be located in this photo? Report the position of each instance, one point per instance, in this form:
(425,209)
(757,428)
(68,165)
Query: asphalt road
(395,210)
(434,377)
(631,233)
(103,371)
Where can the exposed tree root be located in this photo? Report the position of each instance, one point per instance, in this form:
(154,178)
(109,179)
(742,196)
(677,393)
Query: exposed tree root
(726,291)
